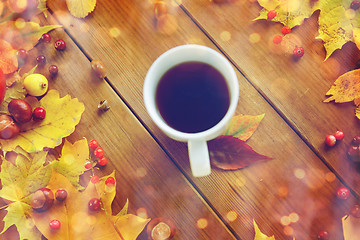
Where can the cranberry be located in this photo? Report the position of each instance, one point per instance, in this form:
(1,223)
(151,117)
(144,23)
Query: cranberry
(355,5)
(88,165)
(102,161)
(353,153)
(355,211)
(22,54)
(93,144)
(41,60)
(285,30)
(339,135)
(60,44)
(46,37)
(343,193)
(99,152)
(298,52)
(61,194)
(20,110)
(53,70)
(55,224)
(110,181)
(355,141)
(271,14)
(94,204)
(94,179)
(323,235)
(39,114)
(277,39)
(330,140)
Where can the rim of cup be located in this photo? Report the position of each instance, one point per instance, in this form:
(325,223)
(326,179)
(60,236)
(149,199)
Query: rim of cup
(189,53)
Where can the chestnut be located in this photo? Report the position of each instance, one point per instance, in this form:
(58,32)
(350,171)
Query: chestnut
(42,199)
(8,128)
(98,68)
(20,110)
(160,228)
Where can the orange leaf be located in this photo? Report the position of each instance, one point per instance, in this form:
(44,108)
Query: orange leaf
(346,88)
(8,59)
(243,126)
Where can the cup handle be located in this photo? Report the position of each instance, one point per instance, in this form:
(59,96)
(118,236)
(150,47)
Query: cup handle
(199,158)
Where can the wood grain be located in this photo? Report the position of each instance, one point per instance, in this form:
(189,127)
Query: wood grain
(296,180)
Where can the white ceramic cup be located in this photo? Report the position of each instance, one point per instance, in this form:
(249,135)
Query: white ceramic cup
(197,146)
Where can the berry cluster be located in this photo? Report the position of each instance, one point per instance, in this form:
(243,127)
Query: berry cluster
(331,139)
(98,153)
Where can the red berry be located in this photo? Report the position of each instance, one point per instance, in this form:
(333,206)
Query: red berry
(88,165)
(110,181)
(355,5)
(55,224)
(298,52)
(343,193)
(285,30)
(39,114)
(277,39)
(41,60)
(353,153)
(355,211)
(339,135)
(271,14)
(99,152)
(53,70)
(356,141)
(46,38)
(22,54)
(93,144)
(323,235)
(330,140)
(102,161)
(94,179)
(60,44)
(94,204)
(61,194)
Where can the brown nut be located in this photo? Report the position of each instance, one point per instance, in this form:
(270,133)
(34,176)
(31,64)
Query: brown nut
(98,68)
(20,110)
(8,128)
(42,199)
(160,229)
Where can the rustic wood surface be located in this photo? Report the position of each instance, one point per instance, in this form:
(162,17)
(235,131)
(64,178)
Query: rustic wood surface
(153,170)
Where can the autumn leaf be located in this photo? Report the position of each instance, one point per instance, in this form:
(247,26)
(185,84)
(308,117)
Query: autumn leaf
(18,182)
(85,224)
(243,126)
(26,36)
(81,8)
(107,193)
(346,88)
(259,235)
(62,115)
(231,153)
(8,59)
(289,12)
(351,228)
(71,164)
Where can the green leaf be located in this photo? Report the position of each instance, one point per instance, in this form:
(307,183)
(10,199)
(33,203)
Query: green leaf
(243,126)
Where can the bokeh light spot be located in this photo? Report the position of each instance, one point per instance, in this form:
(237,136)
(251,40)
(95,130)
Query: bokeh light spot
(114,32)
(254,38)
(288,231)
(330,177)
(294,217)
(232,216)
(285,220)
(225,36)
(283,191)
(142,212)
(202,223)
(299,173)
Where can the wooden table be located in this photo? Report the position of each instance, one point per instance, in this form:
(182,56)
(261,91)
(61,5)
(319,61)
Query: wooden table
(153,170)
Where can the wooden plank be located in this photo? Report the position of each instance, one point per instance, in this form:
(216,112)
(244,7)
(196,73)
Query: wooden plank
(295,88)
(295,181)
(145,174)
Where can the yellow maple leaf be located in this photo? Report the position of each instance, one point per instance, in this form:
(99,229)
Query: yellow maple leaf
(259,235)
(351,227)
(62,115)
(77,222)
(346,88)
(81,8)
(71,164)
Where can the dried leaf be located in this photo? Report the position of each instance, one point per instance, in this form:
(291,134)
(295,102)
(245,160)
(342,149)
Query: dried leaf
(71,164)
(130,226)
(8,59)
(346,88)
(259,235)
(81,8)
(243,126)
(231,153)
(26,36)
(351,228)
(62,115)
